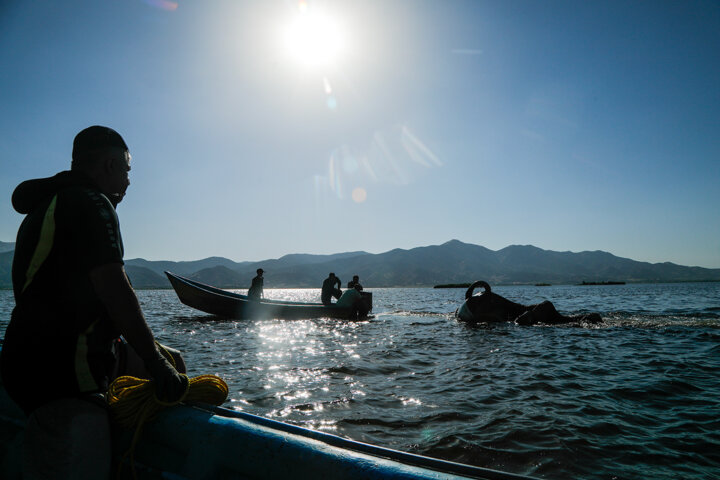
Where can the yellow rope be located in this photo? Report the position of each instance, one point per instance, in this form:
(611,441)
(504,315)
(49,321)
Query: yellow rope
(132,402)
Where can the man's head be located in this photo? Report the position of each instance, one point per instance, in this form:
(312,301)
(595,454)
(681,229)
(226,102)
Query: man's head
(356,278)
(332,275)
(260,271)
(102,154)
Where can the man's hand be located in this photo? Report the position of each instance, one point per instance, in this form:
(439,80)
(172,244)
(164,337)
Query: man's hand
(170,386)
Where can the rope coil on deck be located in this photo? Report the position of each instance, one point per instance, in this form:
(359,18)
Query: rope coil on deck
(132,403)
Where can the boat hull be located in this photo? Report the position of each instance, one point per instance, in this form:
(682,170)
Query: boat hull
(227,304)
(202,442)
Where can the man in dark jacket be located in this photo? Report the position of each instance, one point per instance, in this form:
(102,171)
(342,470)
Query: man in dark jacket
(255,292)
(329,290)
(355,282)
(73,301)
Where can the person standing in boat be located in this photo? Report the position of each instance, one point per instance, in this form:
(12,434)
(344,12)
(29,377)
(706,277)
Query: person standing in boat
(73,301)
(329,290)
(255,292)
(355,281)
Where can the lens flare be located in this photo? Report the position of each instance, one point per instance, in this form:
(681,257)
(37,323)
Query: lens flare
(359,195)
(394,156)
(331,100)
(163,4)
(417,150)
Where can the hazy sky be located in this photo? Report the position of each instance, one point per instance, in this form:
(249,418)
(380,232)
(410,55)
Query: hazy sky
(262,128)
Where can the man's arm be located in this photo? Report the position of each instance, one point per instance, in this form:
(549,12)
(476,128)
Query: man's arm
(114,289)
(118,296)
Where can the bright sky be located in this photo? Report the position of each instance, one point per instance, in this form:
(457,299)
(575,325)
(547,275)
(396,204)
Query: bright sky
(262,128)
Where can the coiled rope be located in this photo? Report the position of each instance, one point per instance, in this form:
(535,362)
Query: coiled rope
(132,403)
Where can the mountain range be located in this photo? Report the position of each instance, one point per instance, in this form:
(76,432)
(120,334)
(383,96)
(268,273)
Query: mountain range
(451,262)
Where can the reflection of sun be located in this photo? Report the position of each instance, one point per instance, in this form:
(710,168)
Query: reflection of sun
(313,39)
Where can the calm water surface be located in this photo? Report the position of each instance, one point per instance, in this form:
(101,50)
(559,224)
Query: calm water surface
(636,397)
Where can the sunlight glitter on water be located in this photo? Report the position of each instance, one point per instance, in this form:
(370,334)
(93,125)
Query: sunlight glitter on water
(625,399)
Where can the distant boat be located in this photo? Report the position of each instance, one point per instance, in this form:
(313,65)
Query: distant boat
(602,283)
(543,285)
(227,304)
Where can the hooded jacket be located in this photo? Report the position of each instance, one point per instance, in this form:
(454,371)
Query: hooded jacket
(59,339)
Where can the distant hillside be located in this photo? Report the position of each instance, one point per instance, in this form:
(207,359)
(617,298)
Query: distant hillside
(183,268)
(451,262)
(221,277)
(141,277)
(6,269)
(6,247)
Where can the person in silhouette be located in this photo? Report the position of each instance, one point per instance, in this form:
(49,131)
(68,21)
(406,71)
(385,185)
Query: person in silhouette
(355,281)
(352,298)
(73,302)
(490,307)
(255,292)
(329,289)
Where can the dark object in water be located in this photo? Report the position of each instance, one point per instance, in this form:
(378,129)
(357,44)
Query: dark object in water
(233,305)
(489,307)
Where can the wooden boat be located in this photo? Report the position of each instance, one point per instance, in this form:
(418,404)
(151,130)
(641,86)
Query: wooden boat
(201,442)
(233,305)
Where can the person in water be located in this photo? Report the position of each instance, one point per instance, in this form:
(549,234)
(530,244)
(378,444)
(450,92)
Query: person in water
(355,281)
(490,307)
(329,290)
(73,302)
(255,292)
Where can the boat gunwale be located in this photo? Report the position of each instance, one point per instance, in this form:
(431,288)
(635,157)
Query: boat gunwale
(223,303)
(407,458)
(245,298)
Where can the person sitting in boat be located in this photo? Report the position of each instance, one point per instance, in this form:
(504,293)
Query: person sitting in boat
(329,290)
(355,281)
(490,307)
(352,298)
(255,292)
(73,303)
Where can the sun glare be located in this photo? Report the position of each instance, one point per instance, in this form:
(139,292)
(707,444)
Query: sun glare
(313,40)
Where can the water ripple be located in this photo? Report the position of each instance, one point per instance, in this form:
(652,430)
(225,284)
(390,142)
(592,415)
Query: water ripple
(634,397)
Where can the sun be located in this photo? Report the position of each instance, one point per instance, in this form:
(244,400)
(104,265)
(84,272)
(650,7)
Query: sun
(314,40)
